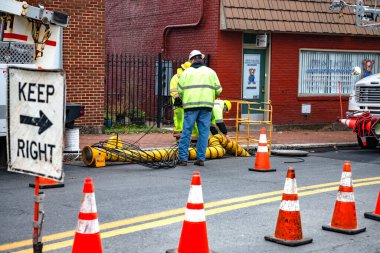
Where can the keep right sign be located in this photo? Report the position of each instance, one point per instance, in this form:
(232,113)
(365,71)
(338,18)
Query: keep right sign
(36,121)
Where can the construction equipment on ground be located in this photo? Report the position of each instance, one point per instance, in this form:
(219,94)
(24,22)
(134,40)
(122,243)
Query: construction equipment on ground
(116,150)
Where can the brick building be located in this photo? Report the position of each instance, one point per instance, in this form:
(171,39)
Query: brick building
(83,57)
(295,53)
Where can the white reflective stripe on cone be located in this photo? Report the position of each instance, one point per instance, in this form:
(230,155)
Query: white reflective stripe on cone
(290,186)
(346,179)
(88,226)
(262,148)
(345,197)
(290,205)
(195,215)
(345,121)
(263,138)
(88,204)
(195,194)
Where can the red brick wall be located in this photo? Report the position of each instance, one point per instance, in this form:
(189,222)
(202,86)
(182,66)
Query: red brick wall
(138,26)
(230,64)
(284,77)
(83,55)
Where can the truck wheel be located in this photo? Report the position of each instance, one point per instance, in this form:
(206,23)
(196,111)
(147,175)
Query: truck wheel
(371,142)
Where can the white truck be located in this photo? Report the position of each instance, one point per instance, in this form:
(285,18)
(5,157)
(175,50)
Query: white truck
(30,37)
(363,116)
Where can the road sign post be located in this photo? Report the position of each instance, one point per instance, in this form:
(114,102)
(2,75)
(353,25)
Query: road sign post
(36,102)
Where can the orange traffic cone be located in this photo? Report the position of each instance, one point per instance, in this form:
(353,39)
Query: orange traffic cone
(45,183)
(87,235)
(194,232)
(376,214)
(344,216)
(262,163)
(348,122)
(288,229)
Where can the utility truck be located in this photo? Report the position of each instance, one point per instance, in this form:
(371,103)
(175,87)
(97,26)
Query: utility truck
(363,115)
(30,37)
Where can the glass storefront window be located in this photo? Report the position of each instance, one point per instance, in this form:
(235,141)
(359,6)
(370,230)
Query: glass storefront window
(321,71)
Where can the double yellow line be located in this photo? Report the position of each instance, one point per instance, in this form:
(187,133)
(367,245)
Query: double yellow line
(121,227)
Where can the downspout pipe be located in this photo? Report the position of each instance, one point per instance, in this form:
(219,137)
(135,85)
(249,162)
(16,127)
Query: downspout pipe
(169,27)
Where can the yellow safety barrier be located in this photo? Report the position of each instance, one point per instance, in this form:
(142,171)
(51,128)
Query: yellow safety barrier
(248,125)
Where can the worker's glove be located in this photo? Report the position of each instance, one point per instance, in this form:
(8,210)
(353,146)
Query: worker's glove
(228,138)
(177,102)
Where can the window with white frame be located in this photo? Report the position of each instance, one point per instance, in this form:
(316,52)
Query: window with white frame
(321,72)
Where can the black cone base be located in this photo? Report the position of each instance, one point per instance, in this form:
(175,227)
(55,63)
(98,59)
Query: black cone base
(292,243)
(372,216)
(343,231)
(263,170)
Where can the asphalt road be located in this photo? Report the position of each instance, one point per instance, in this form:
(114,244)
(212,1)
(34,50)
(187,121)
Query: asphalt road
(141,210)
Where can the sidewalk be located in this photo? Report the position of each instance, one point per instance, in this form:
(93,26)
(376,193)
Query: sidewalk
(281,139)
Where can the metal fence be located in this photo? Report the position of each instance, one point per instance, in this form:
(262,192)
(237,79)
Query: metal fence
(137,89)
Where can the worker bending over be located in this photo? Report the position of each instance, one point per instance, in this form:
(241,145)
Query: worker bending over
(220,106)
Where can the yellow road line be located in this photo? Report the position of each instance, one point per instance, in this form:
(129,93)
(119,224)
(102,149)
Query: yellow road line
(181,211)
(176,219)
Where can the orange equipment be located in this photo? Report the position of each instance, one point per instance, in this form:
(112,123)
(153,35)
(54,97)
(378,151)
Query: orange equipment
(262,163)
(46,183)
(194,232)
(376,214)
(87,235)
(344,216)
(288,229)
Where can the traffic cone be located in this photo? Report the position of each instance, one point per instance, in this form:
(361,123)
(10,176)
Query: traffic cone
(262,163)
(45,183)
(288,229)
(194,232)
(87,235)
(351,123)
(344,216)
(376,214)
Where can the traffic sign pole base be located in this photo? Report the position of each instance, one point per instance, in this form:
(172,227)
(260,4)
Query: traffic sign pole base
(292,243)
(372,216)
(343,231)
(263,170)
(47,186)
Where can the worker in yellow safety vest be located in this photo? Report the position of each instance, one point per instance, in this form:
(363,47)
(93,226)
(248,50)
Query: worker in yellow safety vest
(220,106)
(198,86)
(178,113)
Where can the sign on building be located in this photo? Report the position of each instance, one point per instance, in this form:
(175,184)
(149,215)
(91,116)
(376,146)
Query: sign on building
(36,121)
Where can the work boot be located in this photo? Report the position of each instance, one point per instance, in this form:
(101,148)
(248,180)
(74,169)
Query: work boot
(182,163)
(199,163)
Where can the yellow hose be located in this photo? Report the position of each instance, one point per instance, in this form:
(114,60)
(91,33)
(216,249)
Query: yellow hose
(232,147)
(115,152)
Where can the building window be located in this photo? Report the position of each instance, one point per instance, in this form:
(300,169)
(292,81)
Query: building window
(321,72)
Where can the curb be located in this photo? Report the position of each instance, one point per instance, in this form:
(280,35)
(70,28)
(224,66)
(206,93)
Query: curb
(313,145)
(67,157)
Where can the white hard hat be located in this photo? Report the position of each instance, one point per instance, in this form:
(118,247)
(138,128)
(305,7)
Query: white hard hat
(195,53)
(356,71)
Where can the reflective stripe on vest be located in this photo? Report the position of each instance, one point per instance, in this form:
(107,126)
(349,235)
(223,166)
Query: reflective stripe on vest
(198,87)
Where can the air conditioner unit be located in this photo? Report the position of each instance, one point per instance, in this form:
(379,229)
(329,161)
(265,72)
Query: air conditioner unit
(261,40)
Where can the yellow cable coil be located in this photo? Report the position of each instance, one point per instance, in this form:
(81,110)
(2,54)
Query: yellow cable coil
(114,151)
(91,154)
(232,147)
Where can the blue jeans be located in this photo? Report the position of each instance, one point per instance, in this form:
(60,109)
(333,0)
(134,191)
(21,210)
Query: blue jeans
(203,118)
